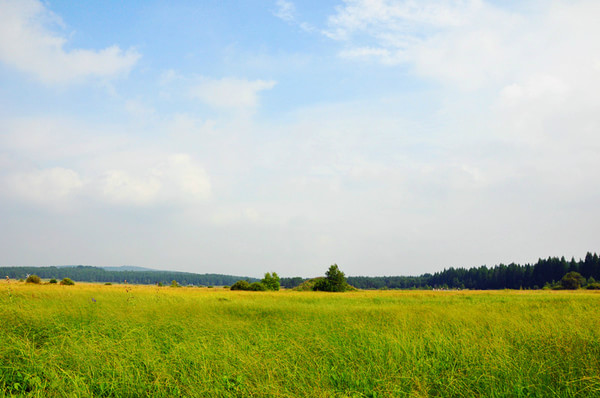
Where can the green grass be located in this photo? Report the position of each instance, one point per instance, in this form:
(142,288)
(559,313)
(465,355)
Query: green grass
(139,341)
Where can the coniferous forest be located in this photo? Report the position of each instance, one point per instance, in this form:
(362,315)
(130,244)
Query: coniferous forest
(512,276)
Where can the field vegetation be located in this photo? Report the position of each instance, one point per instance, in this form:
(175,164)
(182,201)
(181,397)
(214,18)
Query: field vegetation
(133,341)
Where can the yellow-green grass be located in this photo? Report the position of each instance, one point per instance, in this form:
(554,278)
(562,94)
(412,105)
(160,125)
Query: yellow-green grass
(126,341)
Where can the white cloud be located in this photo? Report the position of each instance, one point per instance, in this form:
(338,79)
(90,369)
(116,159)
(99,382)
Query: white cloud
(26,43)
(52,188)
(169,76)
(286,10)
(42,139)
(383,54)
(230,92)
(394,21)
(472,44)
(164,179)
(185,125)
(120,187)
(171,179)
(139,110)
(98,165)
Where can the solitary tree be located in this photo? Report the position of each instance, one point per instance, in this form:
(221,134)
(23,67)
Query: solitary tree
(334,281)
(271,282)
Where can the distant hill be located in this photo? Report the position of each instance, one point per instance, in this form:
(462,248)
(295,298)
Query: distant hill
(128,268)
(135,275)
(119,268)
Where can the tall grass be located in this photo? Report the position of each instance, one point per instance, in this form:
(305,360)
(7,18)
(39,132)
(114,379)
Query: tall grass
(96,340)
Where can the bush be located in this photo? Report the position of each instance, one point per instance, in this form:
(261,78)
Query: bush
(241,285)
(174,283)
(308,285)
(53,281)
(593,286)
(33,279)
(67,282)
(108,283)
(244,285)
(257,287)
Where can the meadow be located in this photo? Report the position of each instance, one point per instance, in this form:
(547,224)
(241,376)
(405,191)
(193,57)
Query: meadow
(134,341)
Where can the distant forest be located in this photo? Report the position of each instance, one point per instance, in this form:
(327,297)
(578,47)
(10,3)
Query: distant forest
(85,273)
(511,276)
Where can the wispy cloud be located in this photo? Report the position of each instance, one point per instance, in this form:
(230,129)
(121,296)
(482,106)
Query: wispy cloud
(27,43)
(286,10)
(470,44)
(232,93)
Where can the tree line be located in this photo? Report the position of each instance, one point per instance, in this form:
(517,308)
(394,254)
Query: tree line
(546,272)
(85,273)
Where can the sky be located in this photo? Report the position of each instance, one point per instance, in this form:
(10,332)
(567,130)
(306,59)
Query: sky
(243,137)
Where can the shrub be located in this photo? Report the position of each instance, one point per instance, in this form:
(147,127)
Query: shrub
(244,285)
(67,282)
(322,285)
(257,287)
(593,286)
(174,283)
(33,279)
(308,285)
(52,281)
(241,285)
(108,283)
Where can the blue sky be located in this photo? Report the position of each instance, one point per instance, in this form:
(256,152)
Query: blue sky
(389,137)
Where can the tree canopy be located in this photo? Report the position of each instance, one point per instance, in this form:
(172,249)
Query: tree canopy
(572,280)
(271,281)
(334,281)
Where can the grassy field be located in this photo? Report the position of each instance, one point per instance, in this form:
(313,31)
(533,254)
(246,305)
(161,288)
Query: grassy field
(129,341)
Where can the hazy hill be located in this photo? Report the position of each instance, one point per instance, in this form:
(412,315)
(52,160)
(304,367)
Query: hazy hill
(128,268)
(136,275)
